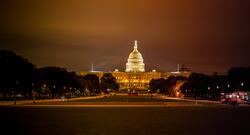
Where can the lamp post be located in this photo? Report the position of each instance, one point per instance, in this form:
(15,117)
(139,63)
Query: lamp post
(45,89)
(194,94)
(242,86)
(33,93)
(150,92)
(14,97)
(227,89)
(70,92)
(54,87)
(33,96)
(208,88)
(14,94)
(217,87)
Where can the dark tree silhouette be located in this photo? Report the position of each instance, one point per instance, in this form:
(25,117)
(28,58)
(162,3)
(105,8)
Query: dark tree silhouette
(204,86)
(165,86)
(157,84)
(57,80)
(108,81)
(16,74)
(239,78)
(171,83)
(197,85)
(91,82)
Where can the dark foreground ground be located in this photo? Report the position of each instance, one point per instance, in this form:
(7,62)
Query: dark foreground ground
(202,120)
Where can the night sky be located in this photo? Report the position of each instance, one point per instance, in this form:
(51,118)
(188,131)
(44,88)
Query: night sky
(208,36)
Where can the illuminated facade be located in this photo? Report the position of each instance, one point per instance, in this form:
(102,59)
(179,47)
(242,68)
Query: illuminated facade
(135,76)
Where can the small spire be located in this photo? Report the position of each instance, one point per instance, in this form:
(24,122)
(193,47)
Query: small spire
(92,67)
(135,45)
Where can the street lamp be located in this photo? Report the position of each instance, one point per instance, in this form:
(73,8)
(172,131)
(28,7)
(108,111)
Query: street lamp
(242,84)
(208,94)
(55,93)
(33,92)
(70,93)
(14,96)
(33,96)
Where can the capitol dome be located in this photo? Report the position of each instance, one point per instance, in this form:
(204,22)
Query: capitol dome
(135,61)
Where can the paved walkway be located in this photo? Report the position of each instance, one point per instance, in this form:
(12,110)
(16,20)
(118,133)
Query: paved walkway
(192,100)
(61,102)
(113,105)
(21,102)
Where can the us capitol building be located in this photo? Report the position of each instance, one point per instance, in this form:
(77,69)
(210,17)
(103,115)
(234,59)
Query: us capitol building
(135,76)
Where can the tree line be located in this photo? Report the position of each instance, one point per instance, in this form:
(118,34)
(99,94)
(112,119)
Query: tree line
(203,86)
(19,76)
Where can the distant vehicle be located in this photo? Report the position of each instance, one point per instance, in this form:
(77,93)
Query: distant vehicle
(19,96)
(133,93)
(238,97)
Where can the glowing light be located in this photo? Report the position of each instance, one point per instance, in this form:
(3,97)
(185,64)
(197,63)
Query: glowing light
(177,94)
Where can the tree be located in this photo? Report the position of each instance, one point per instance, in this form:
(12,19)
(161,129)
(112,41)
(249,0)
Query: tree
(239,78)
(16,73)
(165,86)
(152,86)
(54,78)
(197,85)
(91,82)
(108,81)
(173,84)
(157,84)
(57,80)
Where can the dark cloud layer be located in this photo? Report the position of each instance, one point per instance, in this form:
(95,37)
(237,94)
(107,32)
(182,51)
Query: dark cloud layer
(208,36)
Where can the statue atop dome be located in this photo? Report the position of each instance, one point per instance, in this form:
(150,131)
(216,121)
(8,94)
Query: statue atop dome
(135,45)
(135,61)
